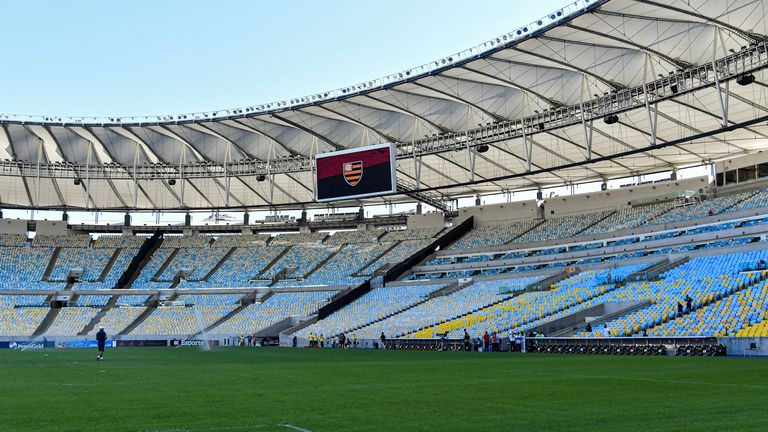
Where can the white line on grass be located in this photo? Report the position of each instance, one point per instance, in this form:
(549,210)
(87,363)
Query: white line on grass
(296,428)
(210,429)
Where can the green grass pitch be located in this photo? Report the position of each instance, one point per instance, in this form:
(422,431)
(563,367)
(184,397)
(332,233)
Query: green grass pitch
(275,389)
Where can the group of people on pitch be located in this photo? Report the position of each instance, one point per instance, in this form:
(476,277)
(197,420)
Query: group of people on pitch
(316,341)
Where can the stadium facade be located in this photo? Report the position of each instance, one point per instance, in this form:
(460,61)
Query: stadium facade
(596,91)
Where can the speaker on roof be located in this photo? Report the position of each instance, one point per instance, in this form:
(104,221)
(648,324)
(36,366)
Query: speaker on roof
(611,119)
(261,177)
(745,79)
(482,148)
(77,182)
(171,182)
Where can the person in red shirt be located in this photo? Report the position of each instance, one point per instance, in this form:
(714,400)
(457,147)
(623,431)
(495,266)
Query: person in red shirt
(486,339)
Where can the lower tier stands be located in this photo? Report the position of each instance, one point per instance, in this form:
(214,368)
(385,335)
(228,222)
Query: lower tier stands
(21,321)
(435,310)
(529,307)
(375,305)
(177,320)
(71,321)
(702,280)
(276,308)
(725,317)
(118,319)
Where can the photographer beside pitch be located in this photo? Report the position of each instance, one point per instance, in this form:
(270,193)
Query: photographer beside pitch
(101,340)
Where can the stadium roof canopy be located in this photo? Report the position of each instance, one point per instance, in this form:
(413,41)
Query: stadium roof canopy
(596,90)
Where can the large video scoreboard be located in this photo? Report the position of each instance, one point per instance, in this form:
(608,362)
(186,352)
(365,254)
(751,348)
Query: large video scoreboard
(356,173)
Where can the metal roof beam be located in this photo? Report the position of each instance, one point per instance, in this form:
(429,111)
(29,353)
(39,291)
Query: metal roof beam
(238,123)
(509,83)
(753,37)
(456,98)
(677,63)
(307,130)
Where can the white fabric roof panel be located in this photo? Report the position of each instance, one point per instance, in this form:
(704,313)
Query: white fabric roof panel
(590,49)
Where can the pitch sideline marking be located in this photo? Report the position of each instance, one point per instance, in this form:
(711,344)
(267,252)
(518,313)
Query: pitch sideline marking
(229,428)
(296,428)
(210,429)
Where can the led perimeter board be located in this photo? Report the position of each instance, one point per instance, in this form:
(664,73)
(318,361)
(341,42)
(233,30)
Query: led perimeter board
(356,173)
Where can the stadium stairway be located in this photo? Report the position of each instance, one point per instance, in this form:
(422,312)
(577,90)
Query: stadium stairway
(322,263)
(271,264)
(166,264)
(512,240)
(110,264)
(375,258)
(447,236)
(151,307)
(547,283)
(344,298)
(140,319)
(609,214)
(140,260)
(226,317)
(51,264)
(449,289)
(650,221)
(572,324)
(654,272)
(47,321)
(50,317)
(218,265)
(301,325)
(399,269)
(92,324)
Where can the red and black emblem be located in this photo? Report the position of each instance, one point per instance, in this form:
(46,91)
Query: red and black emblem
(353,172)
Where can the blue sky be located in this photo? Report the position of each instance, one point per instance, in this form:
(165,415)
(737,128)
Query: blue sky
(143,57)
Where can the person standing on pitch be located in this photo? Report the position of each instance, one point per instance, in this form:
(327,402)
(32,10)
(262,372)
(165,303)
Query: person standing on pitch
(101,341)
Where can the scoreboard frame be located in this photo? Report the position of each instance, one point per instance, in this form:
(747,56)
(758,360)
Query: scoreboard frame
(391,186)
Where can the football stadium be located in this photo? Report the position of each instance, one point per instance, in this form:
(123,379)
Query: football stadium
(561,228)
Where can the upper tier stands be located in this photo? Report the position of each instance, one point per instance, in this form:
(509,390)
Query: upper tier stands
(493,235)
(22,268)
(628,218)
(601,222)
(362,236)
(562,227)
(398,253)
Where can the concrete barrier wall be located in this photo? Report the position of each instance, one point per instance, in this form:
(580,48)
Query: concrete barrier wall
(13,226)
(428,220)
(500,213)
(51,228)
(741,346)
(614,199)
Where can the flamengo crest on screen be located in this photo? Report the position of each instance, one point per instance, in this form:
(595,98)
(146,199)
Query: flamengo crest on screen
(353,172)
(339,175)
